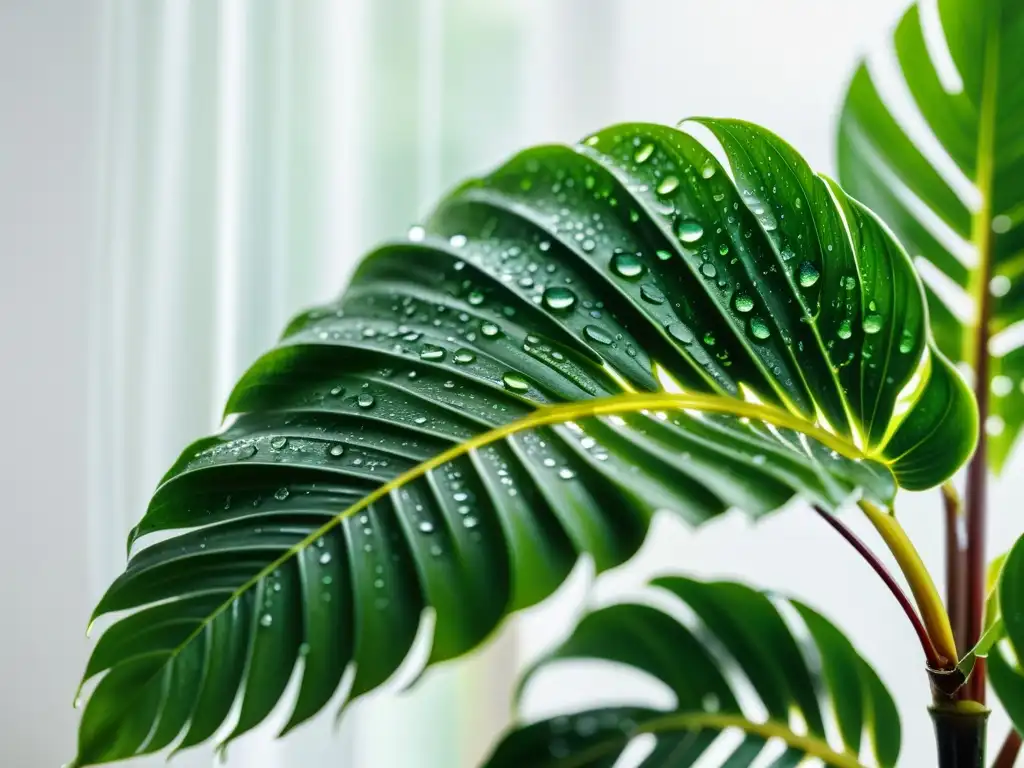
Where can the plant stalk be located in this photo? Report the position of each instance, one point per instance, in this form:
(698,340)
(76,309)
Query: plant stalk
(934,660)
(960,734)
(1008,754)
(933,612)
(956,593)
(977,470)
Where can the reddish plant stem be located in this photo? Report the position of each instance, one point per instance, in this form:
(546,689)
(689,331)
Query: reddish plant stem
(956,592)
(934,660)
(977,501)
(1008,754)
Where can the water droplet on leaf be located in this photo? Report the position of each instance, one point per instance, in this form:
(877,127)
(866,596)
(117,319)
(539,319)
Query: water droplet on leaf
(559,298)
(808,274)
(515,382)
(627,265)
(744,303)
(680,332)
(689,231)
(643,153)
(598,334)
(759,328)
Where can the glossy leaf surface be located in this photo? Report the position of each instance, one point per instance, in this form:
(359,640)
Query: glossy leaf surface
(1004,661)
(797,665)
(719,337)
(955,198)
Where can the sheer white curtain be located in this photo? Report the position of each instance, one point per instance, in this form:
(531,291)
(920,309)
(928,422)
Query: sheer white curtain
(249,152)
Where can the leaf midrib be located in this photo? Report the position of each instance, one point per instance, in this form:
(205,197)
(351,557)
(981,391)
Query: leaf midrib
(978,334)
(544,416)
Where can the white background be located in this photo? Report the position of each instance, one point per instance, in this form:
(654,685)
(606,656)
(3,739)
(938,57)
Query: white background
(177,178)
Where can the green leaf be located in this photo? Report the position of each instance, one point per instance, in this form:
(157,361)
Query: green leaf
(992,628)
(790,656)
(1004,661)
(583,337)
(972,242)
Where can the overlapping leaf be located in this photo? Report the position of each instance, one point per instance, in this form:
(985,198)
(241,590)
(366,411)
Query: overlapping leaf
(724,337)
(1005,667)
(741,640)
(973,240)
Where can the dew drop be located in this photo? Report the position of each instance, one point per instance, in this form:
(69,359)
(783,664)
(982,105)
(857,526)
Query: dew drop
(281,494)
(652,294)
(476,298)
(708,269)
(247,451)
(743,303)
(337,391)
(872,323)
(337,450)
(627,265)
(464,356)
(849,282)
(417,233)
(759,328)
(559,298)
(490,330)
(598,334)
(457,241)
(566,474)
(642,154)
(689,231)
(680,332)
(431,352)
(663,254)
(426,527)
(266,620)
(365,400)
(808,274)
(906,342)
(278,443)
(514,382)
(325,558)
(845,331)
(668,185)
(470,522)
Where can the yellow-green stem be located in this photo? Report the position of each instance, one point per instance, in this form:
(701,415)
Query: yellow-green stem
(929,603)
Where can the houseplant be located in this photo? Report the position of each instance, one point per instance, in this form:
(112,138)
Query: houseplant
(581,338)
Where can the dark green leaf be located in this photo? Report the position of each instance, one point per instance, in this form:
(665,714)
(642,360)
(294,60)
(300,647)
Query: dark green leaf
(974,238)
(794,665)
(583,337)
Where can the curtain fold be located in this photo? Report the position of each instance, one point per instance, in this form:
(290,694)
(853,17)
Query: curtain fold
(252,150)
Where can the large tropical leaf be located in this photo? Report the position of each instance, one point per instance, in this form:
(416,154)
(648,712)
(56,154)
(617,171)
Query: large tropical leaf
(801,670)
(969,233)
(726,337)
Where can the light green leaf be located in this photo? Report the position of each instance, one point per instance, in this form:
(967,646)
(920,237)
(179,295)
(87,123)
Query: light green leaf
(970,234)
(992,629)
(583,337)
(793,666)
